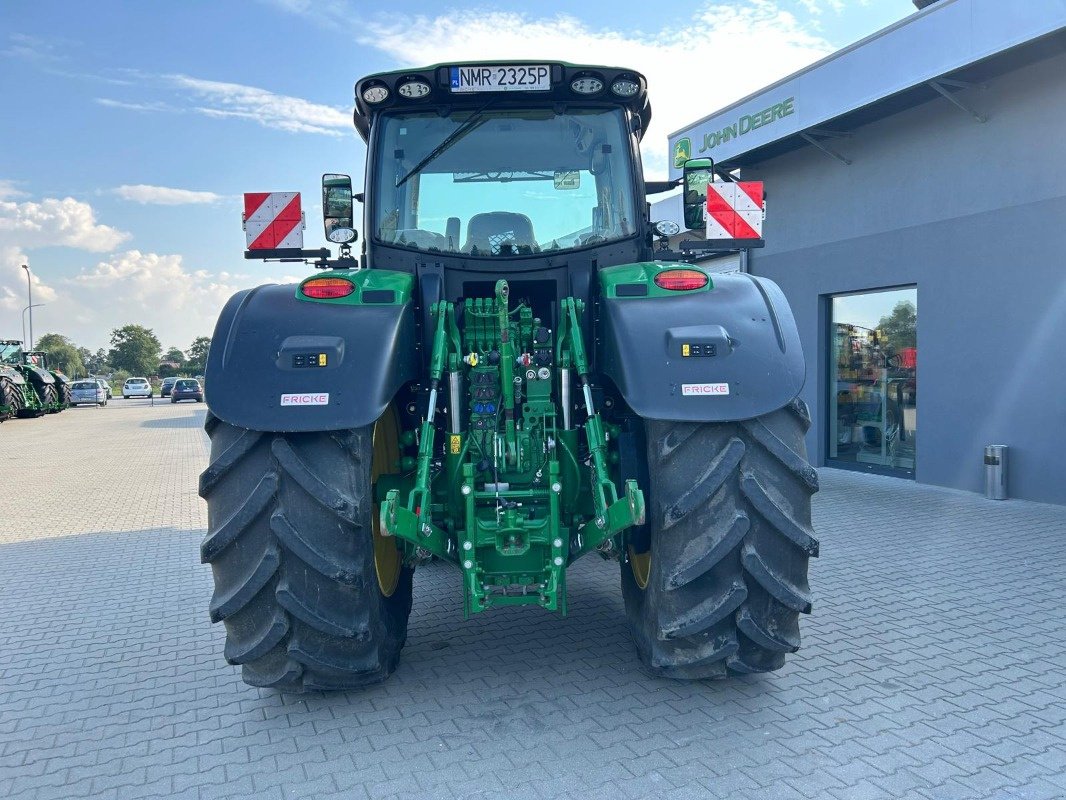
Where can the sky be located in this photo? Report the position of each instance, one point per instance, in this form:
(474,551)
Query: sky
(131,129)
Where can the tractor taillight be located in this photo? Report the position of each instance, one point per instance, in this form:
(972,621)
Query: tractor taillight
(681,280)
(327,288)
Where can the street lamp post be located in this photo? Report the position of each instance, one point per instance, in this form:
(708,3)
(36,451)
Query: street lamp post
(27,308)
(29,292)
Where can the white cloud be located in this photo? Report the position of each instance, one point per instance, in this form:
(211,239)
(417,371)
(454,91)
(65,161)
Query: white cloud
(8,190)
(716,56)
(107,102)
(31,48)
(53,222)
(164,195)
(23,226)
(271,110)
(13,294)
(156,290)
(818,6)
(224,100)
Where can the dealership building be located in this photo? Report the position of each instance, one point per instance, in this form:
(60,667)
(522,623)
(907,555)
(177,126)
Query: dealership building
(916,220)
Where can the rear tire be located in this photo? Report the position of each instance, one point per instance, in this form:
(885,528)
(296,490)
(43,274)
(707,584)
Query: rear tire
(9,398)
(730,537)
(63,392)
(47,393)
(291,546)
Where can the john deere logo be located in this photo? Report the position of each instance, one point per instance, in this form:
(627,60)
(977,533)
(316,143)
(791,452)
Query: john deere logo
(682,152)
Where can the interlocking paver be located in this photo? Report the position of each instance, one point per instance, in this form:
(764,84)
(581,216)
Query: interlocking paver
(933,666)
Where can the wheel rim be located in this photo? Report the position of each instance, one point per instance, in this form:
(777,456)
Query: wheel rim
(387,561)
(640,563)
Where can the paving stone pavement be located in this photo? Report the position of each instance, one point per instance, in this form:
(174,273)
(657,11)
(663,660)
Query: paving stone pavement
(934,665)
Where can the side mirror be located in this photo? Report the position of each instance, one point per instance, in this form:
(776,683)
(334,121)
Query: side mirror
(698,173)
(337,211)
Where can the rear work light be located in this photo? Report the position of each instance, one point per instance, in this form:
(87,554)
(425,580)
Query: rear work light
(681,280)
(327,288)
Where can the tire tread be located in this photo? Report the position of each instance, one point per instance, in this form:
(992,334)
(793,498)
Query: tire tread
(290,547)
(731,538)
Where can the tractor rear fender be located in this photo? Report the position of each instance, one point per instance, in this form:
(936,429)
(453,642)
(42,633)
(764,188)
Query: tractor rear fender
(39,376)
(279,362)
(728,351)
(12,375)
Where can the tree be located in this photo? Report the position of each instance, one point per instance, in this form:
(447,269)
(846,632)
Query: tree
(97,362)
(175,355)
(900,328)
(198,353)
(135,349)
(62,354)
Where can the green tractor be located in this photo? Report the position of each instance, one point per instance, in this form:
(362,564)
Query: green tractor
(27,387)
(515,372)
(36,365)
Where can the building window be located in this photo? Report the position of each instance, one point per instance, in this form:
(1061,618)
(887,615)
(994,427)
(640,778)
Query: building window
(873,392)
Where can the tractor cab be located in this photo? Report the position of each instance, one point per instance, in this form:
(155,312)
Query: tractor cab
(529,170)
(36,358)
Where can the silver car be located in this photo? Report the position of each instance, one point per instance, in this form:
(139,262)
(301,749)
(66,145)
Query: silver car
(87,392)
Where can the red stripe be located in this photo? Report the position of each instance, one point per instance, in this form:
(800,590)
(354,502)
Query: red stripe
(252,201)
(282,228)
(752,189)
(265,240)
(721,211)
(742,230)
(291,211)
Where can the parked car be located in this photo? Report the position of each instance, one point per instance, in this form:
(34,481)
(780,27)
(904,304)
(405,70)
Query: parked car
(88,392)
(136,387)
(187,389)
(167,385)
(106,386)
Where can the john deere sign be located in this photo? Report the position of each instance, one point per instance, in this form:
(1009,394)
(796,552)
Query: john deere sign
(744,124)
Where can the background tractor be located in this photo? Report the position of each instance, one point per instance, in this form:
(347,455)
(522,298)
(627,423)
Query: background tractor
(27,388)
(36,364)
(513,373)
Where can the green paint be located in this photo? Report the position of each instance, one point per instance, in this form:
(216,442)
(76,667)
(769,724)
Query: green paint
(644,273)
(511,505)
(30,395)
(748,123)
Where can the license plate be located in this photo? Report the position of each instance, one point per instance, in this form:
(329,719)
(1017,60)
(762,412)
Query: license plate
(526,78)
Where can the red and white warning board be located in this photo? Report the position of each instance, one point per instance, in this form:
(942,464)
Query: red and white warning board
(273,220)
(735,210)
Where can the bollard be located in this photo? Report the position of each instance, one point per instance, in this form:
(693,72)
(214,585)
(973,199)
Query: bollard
(996,472)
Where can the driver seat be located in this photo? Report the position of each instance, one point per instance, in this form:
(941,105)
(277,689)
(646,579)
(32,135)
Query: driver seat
(500,232)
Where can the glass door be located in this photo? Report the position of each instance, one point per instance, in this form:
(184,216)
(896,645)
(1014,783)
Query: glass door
(873,392)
